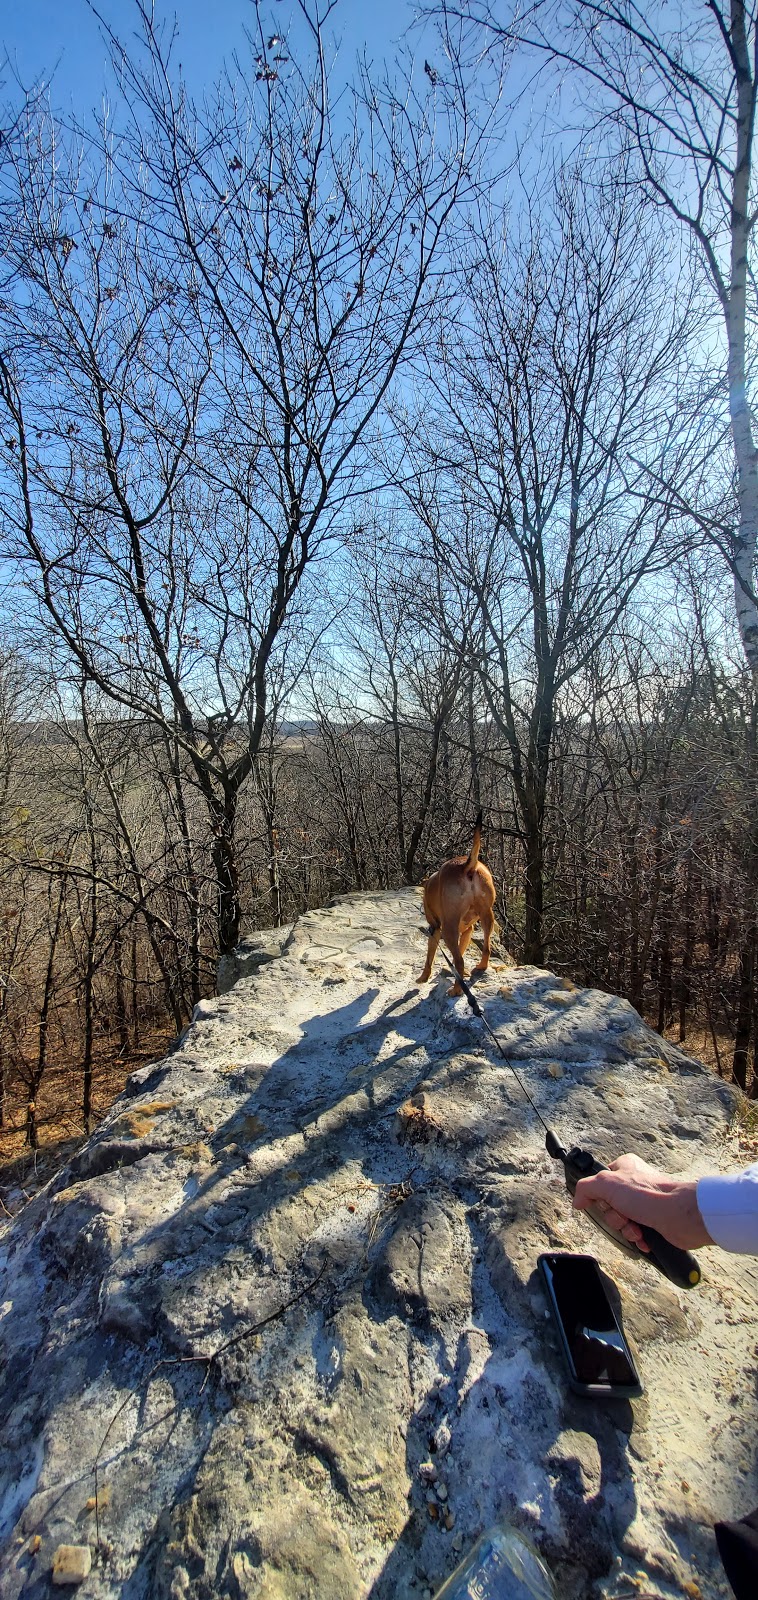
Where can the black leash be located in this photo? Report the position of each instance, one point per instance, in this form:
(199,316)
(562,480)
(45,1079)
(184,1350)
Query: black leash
(477,1010)
(678,1265)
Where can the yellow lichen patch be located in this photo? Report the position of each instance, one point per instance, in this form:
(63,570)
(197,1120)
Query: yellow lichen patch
(506,992)
(197,1151)
(103,1499)
(559,997)
(142,1119)
(568,985)
(292,1175)
(418,1122)
(555,1069)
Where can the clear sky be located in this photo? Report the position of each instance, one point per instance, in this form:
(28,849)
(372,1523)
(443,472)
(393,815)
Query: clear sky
(61,38)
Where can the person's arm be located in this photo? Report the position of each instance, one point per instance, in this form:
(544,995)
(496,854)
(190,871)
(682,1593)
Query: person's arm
(632,1192)
(728,1204)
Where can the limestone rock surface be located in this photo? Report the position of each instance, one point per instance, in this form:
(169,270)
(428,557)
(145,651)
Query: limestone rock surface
(277,1331)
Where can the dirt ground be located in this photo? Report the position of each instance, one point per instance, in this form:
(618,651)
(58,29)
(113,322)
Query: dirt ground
(22,1171)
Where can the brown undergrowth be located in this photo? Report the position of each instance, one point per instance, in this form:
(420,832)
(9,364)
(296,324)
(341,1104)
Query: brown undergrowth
(59,1124)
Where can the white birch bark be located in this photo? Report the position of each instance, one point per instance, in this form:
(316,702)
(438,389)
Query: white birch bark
(746,457)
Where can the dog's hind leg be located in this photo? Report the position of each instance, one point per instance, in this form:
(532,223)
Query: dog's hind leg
(431,951)
(451,936)
(487,921)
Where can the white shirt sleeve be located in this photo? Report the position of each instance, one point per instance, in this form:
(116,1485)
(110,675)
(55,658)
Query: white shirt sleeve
(728,1205)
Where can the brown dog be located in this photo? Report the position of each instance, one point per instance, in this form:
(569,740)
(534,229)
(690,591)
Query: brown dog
(456,897)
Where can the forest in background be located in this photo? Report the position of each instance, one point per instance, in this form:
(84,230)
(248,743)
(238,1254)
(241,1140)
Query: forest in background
(365,462)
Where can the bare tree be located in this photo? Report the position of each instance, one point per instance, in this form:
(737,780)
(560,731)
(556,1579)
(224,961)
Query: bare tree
(678,89)
(210,308)
(539,471)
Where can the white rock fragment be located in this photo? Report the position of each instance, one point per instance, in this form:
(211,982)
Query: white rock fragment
(427,1472)
(71,1563)
(442,1439)
(442,1491)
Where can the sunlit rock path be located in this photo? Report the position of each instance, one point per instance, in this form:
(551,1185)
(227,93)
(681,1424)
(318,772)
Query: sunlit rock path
(329,1135)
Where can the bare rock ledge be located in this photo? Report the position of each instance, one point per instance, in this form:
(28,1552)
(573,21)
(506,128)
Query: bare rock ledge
(337,1156)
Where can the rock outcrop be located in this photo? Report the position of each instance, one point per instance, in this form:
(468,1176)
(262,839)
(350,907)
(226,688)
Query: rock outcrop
(285,1301)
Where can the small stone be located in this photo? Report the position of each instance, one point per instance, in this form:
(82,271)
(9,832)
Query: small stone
(449,1519)
(34,1544)
(427,1472)
(555,1069)
(71,1563)
(433,1509)
(458,1541)
(441,1491)
(442,1439)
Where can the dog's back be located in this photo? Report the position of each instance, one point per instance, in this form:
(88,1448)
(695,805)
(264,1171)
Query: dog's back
(462,878)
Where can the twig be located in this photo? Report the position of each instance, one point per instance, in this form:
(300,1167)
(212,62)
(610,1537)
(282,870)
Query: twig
(179,1361)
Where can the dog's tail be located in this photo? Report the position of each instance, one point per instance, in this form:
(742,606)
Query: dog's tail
(476,846)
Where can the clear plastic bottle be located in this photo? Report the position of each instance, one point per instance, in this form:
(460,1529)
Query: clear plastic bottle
(502,1565)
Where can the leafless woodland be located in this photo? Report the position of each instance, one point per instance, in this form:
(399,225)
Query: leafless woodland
(365,461)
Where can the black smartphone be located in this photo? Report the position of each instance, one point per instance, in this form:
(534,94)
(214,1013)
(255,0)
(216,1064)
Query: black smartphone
(595,1350)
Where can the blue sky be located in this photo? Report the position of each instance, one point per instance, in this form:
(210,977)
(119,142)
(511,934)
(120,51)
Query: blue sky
(62,38)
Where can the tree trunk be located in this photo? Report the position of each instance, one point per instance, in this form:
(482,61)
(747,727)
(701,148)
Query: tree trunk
(688,952)
(275,888)
(745,1007)
(32,1136)
(636,967)
(135,993)
(223,817)
(746,458)
(426,797)
(89,1008)
(397,743)
(122,1021)
(534,950)
(476,792)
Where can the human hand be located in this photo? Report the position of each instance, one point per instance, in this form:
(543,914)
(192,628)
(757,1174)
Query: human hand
(629,1191)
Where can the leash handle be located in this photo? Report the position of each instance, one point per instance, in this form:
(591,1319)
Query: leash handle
(678,1265)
